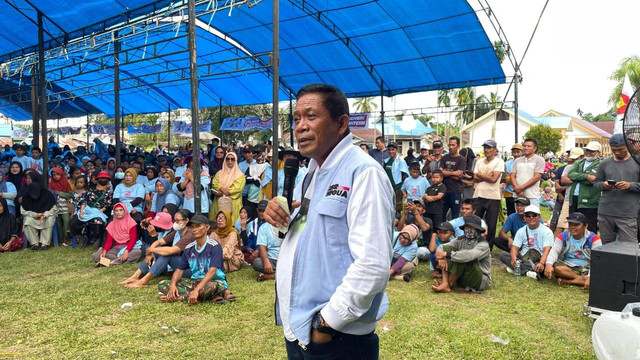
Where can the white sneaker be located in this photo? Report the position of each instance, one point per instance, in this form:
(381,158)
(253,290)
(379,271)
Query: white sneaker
(534,275)
(510,270)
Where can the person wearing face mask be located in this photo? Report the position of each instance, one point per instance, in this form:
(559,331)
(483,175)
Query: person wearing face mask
(165,253)
(118,176)
(582,195)
(91,212)
(466,260)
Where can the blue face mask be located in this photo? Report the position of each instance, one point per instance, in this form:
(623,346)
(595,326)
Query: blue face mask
(119,175)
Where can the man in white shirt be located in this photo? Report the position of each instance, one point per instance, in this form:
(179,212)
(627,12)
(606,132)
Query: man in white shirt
(527,171)
(487,195)
(342,230)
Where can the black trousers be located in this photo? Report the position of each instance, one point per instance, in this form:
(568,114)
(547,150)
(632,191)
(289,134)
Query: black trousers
(77,227)
(511,205)
(341,347)
(591,214)
(487,209)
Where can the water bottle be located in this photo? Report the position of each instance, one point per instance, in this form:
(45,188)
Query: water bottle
(517,269)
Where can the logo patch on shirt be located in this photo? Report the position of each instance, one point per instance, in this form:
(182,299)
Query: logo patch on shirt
(338,190)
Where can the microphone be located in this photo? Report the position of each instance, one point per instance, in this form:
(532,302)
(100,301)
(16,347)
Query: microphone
(291,167)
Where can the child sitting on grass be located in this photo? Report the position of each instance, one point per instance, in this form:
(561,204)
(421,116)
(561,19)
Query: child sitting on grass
(443,235)
(404,252)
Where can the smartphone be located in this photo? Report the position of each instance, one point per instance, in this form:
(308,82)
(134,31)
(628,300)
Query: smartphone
(430,151)
(611,182)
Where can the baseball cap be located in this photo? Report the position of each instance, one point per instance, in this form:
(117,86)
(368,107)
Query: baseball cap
(617,140)
(490,143)
(577,218)
(103,175)
(247,148)
(445,226)
(516,147)
(262,205)
(437,143)
(419,201)
(393,145)
(576,153)
(198,219)
(424,147)
(594,146)
(533,209)
(522,200)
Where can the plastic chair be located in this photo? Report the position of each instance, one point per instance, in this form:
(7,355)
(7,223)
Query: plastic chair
(73,239)
(54,237)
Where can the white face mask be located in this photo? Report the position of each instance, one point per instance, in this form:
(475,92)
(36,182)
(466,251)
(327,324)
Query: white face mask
(590,158)
(178,227)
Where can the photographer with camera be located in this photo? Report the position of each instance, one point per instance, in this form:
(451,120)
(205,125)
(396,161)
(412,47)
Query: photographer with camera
(618,179)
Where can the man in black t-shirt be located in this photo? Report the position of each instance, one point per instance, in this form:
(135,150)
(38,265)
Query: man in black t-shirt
(414,213)
(453,166)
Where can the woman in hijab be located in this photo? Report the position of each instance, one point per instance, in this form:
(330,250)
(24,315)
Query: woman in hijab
(118,176)
(15,174)
(218,160)
(131,194)
(121,245)
(91,212)
(188,191)
(38,209)
(60,186)
(111,166)
(227,236)
(172,209)
(228,183)
(8,192)
(10,239)
(29,176)
(164,195)
(247,226)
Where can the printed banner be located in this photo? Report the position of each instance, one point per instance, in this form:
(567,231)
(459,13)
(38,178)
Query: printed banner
(69,130)
(359,121)
(245,124)
(19,133)
(109,129)
(144,128)
(183,127)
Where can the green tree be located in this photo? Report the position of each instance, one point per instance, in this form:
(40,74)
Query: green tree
(500,49)
(469,106)
(630,66)
(365,104)
(548,139)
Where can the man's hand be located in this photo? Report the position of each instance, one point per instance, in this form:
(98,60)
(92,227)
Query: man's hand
(513,262)
(172,295)
(319,338)
(444,265)
(622,185)
(539,267)
(193,297)
(548,271)
(591,178)
(275,215)
(441,255)
(125,256)
(606,186)
(268,269)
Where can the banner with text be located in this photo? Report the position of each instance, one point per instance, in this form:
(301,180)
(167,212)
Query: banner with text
(144,128)
(183,127)
(109,129)
(246,123)
(359,121)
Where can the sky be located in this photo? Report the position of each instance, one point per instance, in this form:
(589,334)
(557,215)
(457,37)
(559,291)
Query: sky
(579,43)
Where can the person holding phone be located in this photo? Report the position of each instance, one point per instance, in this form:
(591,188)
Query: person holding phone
(582,195)
(618,178)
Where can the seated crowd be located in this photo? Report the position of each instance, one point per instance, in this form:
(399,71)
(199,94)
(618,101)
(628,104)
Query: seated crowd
(448,210)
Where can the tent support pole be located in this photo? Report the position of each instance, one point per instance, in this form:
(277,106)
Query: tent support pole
(275,63)
(57,131)
(382,112)
(169,130)
(291,118)
(87,129)
(515,104)
(195,129)
(43,101)
(116,96)
(34,110)
(220,115)
(123,118)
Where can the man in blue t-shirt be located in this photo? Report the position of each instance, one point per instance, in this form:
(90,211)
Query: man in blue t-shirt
(204,257)
(269,249)
(531,246)
(511,226)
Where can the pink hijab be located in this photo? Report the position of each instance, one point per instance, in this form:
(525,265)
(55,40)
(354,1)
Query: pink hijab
(119,228)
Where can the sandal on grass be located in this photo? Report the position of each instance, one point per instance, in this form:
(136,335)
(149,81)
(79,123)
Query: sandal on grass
(228,295)
(261,277)
(218,300)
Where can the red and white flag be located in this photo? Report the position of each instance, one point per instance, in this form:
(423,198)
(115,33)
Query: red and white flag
(625,95)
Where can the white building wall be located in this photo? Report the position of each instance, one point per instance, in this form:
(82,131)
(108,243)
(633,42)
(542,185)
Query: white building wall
(504,135)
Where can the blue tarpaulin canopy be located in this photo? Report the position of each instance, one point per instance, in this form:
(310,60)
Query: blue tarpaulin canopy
(365,47)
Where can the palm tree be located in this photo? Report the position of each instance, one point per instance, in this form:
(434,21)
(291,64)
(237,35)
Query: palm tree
(628,66)
(495,100)
(444,98)
(465,99)
(365,104)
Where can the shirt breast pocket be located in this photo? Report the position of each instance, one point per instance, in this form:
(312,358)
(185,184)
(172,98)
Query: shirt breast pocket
(333,214)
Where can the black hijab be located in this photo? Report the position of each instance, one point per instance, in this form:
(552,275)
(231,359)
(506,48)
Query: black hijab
(252,213)
(8,224)
(16,179)
(171,208)
(38,199)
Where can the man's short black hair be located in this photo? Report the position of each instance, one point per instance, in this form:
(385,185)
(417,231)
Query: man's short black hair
(381,139)
(335,101)
(414,166)
(470,202)
(137,162)
(365,145)
(437,171)
(535,143)
(457,139)
(36,148)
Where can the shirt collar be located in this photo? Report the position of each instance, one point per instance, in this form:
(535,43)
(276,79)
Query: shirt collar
(336,154)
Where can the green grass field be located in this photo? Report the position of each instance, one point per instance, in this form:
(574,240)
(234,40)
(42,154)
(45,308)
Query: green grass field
(56,305)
